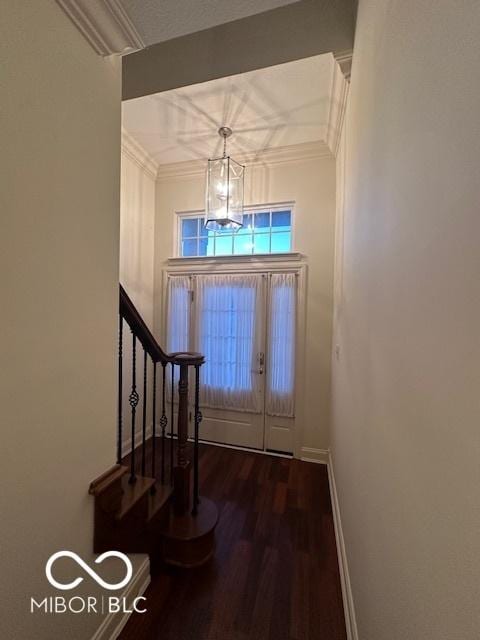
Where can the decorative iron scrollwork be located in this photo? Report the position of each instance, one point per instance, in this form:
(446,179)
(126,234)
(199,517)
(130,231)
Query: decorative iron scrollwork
(133,399)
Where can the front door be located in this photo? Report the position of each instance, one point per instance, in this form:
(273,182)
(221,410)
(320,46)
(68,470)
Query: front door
(244,324)
(229,312)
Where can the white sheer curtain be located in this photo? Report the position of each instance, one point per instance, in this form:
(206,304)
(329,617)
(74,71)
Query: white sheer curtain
(178,321)
(227,307)
(281,343)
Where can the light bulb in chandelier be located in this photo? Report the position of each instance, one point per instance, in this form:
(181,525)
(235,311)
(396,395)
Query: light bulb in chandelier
(221,188)
(224,190)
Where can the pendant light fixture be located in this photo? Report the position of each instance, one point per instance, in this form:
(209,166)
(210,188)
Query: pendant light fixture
(224,190)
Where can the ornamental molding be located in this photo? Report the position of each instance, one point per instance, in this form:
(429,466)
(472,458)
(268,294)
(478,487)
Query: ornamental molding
(344,60)
(291,260)
(338,101)
(104,24)
(135,152)
(268,158)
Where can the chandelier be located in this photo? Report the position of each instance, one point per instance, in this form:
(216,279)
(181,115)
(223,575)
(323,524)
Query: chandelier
(224,190)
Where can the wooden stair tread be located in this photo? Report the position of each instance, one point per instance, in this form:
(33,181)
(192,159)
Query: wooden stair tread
(158,499)
(189,527)
(133,493)
(103,482)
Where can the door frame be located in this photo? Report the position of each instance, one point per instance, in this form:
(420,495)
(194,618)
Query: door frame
(274,263)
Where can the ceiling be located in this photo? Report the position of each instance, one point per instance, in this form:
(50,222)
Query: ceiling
(279,106)
(160,20)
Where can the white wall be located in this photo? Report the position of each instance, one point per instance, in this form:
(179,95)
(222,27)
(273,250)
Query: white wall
(59,202)
(137,217)
(311,184)
(406,409)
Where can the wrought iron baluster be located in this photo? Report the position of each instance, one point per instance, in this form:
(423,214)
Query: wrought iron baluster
(154,417)
(120,390)
(144,410)
(163,421)
(133,399)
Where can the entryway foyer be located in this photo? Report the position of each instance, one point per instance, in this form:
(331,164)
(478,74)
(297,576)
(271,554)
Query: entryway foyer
(147,141)
(224,336)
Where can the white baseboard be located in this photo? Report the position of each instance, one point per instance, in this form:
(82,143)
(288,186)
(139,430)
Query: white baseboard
(308,454)
(348,605)
(113,623)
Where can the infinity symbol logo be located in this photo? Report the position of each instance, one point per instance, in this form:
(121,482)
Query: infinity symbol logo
(87,569)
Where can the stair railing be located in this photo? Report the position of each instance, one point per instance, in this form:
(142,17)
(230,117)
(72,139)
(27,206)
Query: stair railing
(179,365)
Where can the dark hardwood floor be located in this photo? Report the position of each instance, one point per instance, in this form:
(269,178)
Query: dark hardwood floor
(274,575)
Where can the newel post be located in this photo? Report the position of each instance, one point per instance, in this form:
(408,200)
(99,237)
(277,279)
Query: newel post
(189,537)
(181,472)
(182,469)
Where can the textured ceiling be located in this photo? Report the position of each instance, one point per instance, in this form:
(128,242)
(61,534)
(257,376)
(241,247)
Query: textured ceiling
(159,20)
(278,106)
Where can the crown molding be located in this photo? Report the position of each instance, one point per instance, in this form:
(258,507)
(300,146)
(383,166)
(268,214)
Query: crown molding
(267,158)
(338,104)
(344,59)
(134,150)
(104,24)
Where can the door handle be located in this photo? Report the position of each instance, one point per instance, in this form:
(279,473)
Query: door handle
(261,362)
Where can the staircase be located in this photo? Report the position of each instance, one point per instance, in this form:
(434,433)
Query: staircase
(148,502)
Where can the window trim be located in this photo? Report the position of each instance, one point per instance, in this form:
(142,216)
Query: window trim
(197,213)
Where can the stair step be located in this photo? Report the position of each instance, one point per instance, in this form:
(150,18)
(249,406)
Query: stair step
(132,494)
(107,479)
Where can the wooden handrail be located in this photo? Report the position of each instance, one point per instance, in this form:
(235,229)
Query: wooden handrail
(129,313)
(187,357)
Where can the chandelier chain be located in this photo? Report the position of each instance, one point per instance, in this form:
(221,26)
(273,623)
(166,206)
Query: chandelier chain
(225,132)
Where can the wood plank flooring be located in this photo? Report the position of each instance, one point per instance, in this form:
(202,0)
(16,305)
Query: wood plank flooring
(275,572)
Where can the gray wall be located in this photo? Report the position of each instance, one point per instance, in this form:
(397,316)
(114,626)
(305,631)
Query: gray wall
(295,31)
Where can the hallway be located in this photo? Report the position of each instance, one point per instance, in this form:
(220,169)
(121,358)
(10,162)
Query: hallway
(275,572)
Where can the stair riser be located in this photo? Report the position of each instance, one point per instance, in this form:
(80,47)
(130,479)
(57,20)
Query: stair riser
(126,534)
(138,531)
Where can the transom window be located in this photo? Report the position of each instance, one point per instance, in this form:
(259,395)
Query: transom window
(265,230)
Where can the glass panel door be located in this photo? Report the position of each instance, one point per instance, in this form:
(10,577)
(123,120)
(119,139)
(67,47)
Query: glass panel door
(228,324)
(245,325)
